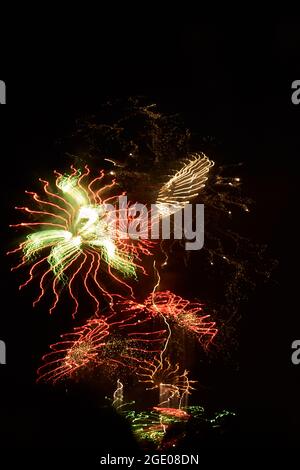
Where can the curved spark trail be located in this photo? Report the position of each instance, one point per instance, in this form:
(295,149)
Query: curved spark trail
(118,395)
(78,238)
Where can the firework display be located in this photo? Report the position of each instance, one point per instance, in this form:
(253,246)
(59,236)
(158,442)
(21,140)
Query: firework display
(79,249)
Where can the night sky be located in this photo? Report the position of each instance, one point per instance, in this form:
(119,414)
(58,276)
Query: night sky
(229,82)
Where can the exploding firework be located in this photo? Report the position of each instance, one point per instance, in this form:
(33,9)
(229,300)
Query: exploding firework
(179,312)
(79,236)
(184,185)
(76,351)
(115,343)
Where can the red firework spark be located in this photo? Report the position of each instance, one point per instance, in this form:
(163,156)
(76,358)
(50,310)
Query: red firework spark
(183,313)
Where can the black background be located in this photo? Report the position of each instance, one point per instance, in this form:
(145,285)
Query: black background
(232,82)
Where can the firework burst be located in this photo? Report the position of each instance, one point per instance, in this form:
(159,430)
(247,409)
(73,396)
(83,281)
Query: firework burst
(77,231)
(184,185)
(179,312)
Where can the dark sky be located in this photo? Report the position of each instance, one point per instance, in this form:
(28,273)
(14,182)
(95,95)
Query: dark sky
(229,81)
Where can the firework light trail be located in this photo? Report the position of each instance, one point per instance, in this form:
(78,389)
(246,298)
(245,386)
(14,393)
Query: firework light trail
(184,185)
(115,343)
(118,396)
(174,386)
(75,237)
